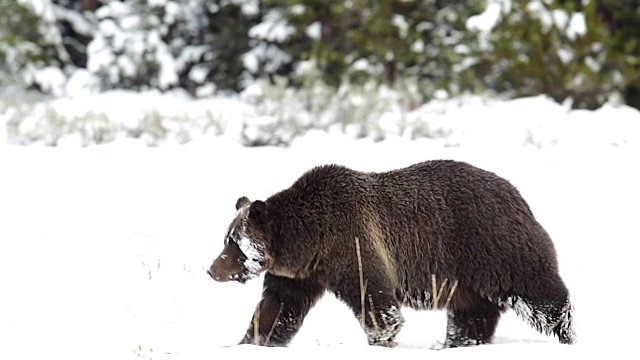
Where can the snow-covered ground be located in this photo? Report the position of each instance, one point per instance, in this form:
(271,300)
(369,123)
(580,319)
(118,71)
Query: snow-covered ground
(103,249)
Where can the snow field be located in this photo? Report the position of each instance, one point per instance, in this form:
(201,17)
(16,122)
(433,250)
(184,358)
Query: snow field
(103,249)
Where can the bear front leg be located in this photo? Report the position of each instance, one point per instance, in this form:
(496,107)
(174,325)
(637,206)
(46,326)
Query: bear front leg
(284,305)
(381,319)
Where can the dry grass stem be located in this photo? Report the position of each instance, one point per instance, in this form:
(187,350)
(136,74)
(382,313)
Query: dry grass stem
(453,289)
(434,291)
(363,285)
(441,290)
(438,292)
(372,315)
(256,326)
(273,326)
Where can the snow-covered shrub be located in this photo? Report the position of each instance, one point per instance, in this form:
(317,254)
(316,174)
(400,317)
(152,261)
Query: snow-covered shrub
(357,109)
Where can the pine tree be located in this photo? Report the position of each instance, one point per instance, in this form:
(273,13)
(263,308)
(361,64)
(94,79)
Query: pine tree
(28,41)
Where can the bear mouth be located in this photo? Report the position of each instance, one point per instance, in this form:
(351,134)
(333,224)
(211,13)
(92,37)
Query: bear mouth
(243,277)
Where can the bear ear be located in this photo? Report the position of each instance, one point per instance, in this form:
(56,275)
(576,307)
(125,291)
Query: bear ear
(258,211)
(242,201)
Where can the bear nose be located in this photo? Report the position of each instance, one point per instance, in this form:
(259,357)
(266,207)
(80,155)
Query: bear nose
(211,274)
(214,275)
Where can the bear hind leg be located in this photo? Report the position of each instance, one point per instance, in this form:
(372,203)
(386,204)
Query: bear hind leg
(474,325)
(552,318)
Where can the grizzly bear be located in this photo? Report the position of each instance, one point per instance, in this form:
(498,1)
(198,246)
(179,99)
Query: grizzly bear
(440,234)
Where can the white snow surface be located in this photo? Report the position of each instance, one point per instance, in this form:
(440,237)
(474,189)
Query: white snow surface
(103,249)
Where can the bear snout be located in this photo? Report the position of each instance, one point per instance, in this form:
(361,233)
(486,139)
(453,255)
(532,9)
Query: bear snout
(219,272)
(213,276)
(226,268)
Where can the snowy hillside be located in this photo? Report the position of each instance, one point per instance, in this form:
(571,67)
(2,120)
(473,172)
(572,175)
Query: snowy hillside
(103,249)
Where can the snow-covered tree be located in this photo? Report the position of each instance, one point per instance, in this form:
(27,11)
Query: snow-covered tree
(75,21)
(390,41)
(127,50)
(619,21)
(192,44)
(31,50)
(583,51)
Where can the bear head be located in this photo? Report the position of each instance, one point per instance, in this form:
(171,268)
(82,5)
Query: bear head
(246,244)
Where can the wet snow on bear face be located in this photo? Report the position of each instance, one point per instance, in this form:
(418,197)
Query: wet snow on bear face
(242,258)
(250,248)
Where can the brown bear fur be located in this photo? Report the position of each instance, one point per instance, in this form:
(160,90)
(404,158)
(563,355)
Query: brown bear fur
(437,234)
